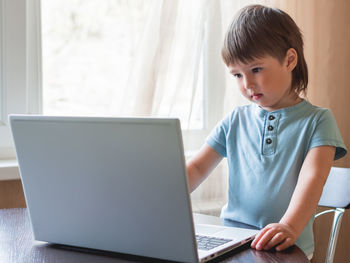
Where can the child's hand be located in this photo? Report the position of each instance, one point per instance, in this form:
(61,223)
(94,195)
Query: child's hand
(280,235)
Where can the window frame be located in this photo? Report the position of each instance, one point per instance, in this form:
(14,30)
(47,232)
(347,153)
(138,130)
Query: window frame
(20,64)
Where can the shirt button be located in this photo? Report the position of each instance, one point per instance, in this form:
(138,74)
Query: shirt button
(268,141)
(271,117)
(270,128)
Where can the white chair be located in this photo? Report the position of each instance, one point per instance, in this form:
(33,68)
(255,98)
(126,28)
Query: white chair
(336,194)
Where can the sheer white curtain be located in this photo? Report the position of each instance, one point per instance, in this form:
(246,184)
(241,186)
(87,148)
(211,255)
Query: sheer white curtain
(124,58)
(165,73)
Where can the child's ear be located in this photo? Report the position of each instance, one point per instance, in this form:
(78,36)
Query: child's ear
(291,59)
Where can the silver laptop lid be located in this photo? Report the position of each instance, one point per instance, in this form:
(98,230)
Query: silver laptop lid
(116,184)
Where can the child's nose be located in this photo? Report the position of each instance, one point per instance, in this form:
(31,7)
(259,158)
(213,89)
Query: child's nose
(248,83)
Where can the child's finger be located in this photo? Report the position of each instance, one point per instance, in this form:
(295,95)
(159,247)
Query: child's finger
(276,239)
(258,236)
(265,239)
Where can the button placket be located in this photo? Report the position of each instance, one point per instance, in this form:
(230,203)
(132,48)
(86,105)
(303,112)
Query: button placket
(270,134)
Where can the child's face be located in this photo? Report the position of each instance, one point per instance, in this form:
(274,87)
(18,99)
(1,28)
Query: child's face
(266,81)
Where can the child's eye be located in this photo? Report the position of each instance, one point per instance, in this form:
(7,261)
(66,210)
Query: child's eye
(237,75)
(256,70)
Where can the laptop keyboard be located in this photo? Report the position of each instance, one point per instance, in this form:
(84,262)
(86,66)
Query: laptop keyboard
(207,243)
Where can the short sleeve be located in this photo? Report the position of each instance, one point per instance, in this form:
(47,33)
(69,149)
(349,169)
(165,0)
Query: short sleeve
(217,137)
(326,132)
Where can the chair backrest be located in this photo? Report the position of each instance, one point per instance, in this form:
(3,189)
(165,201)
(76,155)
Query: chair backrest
(336,192)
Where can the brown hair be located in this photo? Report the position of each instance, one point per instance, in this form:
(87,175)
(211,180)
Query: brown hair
(257,31)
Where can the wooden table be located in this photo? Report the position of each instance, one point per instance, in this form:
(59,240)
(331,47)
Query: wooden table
(18,246)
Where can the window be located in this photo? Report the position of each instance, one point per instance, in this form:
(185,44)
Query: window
(75,67)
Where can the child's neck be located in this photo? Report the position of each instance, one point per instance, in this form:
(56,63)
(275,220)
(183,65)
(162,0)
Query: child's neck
(294,100)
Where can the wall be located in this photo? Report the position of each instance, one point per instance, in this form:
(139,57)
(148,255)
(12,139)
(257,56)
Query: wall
(328,56)
(11,194)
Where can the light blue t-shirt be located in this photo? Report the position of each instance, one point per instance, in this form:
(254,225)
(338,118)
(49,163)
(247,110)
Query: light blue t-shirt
(265,152)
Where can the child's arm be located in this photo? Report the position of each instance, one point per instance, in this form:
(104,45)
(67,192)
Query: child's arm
(312,177)
(200,166)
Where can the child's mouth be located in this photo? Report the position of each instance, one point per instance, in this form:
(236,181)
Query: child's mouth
(256,96)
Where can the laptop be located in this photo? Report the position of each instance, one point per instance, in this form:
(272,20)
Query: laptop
(114,184)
